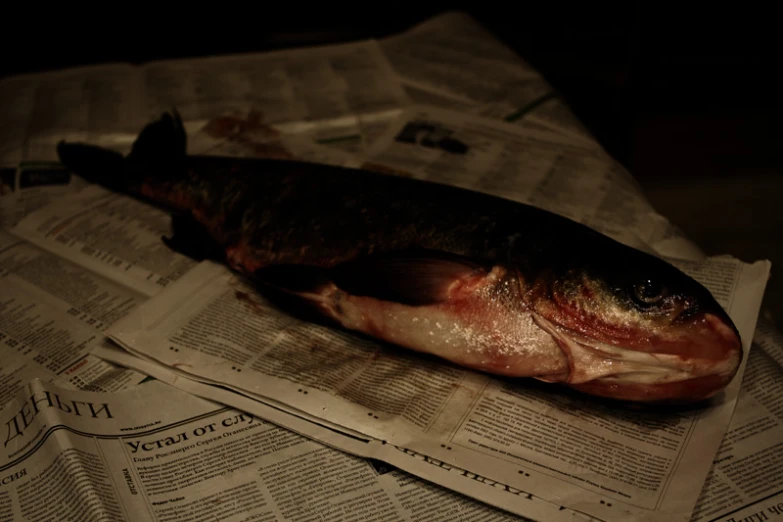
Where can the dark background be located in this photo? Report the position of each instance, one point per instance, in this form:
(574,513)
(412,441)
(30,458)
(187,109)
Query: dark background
(687,98)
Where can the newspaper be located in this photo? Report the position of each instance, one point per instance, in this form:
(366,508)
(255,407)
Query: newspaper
(32,185)
(52,313)
(555,172)
(327,92)
(669,240)
(433,56)
(238,134)
(450,61)
(342,95)
(213,327)
(108,105)
(113,236)
(77,455)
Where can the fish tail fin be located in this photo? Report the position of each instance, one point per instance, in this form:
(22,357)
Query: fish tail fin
(95,164)
(160,146)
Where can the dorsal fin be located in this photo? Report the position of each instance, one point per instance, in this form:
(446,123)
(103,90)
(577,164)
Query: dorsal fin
(163,141)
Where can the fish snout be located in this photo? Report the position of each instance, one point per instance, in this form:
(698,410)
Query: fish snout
(695,367)
(725,345)
(685,363)
(726,334)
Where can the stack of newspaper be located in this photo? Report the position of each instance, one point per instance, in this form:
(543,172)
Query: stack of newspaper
(255,415)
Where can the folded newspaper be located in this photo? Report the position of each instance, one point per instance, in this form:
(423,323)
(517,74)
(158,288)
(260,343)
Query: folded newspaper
(80,263)
(79,455)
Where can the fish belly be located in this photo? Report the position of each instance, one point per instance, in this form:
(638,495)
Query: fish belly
(470,333)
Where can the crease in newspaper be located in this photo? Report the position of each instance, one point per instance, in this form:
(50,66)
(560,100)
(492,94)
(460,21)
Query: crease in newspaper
(409,461)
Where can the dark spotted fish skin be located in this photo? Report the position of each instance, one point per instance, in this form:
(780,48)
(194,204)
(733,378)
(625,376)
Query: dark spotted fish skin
(290,215)
(481,281)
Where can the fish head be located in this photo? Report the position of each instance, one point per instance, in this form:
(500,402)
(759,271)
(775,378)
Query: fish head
(635,327)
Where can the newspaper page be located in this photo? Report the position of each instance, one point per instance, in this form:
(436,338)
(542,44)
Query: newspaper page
(17,96)
(751,491)
(52,314)
(451,61)
(328,93)
(540,168)
(97,103)
(80,455)
(461,481)
(455,57)
(112,235)
(442,411)
(623,207)
(32,185)
(340,95)
(73,275)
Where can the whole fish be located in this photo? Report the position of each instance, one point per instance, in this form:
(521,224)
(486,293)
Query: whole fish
(485,282)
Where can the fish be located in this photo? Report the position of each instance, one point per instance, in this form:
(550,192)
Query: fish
(486,283)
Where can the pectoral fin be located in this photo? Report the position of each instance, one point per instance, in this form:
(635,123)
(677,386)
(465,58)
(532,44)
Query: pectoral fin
(413,278)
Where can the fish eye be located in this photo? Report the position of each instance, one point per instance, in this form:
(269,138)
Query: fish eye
(649,292)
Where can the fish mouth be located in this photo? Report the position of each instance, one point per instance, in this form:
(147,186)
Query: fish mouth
(627,373)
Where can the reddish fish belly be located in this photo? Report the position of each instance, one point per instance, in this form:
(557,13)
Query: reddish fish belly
(475,334)
(469,334)
(483,334)
(468,327)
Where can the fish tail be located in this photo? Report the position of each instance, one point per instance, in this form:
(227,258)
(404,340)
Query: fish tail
(95,164)
(157,151)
